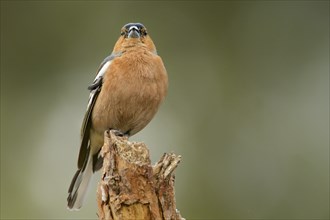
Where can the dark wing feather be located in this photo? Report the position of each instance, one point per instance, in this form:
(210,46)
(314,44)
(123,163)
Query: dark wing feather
(86,127)
(95,89)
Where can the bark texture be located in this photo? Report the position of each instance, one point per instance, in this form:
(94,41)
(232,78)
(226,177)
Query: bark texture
(130,187)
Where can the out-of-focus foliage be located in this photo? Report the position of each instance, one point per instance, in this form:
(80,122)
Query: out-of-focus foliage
(248,103)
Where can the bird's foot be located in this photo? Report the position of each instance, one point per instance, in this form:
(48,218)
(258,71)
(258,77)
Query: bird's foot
(118,133)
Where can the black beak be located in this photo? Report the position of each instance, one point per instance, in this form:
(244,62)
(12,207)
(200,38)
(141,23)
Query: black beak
(133,32)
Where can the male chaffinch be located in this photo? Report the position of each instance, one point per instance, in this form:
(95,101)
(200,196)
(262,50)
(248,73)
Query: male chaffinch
(130,85)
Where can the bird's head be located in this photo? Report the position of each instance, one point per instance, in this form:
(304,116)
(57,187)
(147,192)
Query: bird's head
(133,34)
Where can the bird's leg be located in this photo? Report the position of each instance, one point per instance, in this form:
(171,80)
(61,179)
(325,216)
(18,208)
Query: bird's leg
(118,133)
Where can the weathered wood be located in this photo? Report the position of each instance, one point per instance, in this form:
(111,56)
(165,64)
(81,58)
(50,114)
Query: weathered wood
(130,188)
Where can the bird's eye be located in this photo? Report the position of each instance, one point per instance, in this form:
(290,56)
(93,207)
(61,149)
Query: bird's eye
(122,33)
(144,32)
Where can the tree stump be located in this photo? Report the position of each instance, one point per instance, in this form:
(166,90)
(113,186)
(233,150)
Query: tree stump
(130,188)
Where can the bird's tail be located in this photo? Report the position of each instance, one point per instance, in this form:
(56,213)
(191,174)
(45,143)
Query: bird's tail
(79,185)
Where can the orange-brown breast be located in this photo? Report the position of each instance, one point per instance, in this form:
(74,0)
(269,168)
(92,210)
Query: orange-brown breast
(133,88)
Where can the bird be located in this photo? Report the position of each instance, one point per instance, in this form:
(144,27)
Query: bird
(130,85)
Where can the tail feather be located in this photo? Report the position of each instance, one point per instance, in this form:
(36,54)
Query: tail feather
(79,185)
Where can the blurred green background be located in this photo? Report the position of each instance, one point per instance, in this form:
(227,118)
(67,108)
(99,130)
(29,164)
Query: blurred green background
(248,103)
